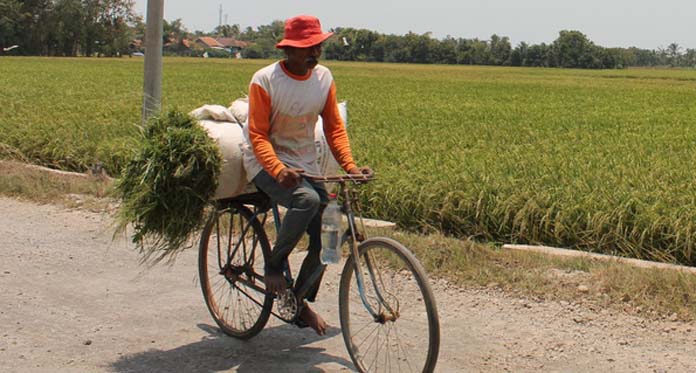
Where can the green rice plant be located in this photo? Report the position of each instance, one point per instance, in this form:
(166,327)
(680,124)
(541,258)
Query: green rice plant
(596,160)
(166,185)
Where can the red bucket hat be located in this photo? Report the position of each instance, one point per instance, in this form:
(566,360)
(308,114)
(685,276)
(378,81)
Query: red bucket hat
(303,32)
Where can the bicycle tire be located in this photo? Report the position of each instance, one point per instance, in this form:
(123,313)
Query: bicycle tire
(247,299)
(420,296)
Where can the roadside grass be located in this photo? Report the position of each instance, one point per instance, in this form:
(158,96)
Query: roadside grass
(650,293)
(19,180)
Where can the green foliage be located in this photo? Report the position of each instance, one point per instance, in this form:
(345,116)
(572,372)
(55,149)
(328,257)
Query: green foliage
(227,31)
(70,16)
(573,49)
(262,48)
(500,50)
(67,27)
(264,39)
(165,187)
(10,11)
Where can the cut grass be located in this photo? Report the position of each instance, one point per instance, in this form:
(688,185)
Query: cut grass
(167,184)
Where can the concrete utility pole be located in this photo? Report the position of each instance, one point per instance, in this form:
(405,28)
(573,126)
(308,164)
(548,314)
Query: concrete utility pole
(152,84)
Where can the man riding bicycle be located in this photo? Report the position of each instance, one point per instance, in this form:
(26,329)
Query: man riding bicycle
(285,100)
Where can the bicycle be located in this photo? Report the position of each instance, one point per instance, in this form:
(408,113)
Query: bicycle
(400,321)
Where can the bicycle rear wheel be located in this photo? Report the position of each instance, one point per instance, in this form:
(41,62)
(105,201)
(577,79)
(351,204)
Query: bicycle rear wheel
(230,266)
(406,335)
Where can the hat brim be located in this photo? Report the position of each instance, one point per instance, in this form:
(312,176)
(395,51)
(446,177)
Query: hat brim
(305,43)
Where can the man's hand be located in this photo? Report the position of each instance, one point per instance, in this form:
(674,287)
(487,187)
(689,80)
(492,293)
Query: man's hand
(365,171)
(290,177)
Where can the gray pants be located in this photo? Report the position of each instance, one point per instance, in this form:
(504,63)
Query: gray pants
(304,204)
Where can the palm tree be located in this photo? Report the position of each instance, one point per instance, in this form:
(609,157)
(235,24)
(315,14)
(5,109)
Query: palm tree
(674,54)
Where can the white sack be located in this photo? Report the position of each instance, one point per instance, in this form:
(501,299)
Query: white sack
(240,109)
(214,112)
(229,137)
(327,163)
(224,128)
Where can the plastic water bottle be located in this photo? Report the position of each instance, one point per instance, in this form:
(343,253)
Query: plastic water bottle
(330,227)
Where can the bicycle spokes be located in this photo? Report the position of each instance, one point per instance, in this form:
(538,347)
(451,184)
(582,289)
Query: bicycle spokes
(390,321)
(231,268)
(375,296)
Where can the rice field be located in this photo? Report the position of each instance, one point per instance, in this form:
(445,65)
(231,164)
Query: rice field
(597,160)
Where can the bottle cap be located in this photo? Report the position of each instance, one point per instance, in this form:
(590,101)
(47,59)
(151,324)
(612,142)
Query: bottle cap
(332,195)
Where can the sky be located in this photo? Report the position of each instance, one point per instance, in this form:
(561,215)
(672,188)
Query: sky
(648,24)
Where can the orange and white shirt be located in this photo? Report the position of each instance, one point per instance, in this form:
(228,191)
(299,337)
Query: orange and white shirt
(283,111)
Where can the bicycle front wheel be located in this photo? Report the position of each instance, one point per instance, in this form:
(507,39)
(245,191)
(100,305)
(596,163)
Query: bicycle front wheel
(404,333)
(230,265)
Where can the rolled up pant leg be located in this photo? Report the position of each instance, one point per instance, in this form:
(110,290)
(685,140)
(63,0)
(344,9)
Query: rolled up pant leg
(303,205)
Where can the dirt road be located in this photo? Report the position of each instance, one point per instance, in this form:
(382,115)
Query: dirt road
(71,299)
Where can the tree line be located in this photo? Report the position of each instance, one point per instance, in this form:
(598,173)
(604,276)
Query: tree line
(67,27)
(109,28)
(572,49)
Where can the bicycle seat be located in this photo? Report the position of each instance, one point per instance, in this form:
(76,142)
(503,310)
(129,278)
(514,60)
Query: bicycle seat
(258,199)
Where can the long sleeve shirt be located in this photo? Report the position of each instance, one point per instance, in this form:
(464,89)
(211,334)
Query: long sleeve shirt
(283,112)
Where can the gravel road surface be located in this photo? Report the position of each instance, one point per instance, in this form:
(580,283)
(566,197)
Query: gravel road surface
(74,300)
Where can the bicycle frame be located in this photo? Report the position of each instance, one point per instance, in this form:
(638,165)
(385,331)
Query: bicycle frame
(240,244)
(354,239)
(353,236)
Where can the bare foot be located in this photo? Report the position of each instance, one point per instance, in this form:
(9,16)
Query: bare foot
(275,283)
(313,320)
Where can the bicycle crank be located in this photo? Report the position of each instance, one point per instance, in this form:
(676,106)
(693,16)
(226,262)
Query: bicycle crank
(287,306)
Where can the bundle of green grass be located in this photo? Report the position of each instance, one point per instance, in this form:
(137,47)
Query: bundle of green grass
(165,187)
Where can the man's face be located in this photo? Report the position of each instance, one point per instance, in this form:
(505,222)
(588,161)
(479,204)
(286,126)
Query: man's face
(308,57)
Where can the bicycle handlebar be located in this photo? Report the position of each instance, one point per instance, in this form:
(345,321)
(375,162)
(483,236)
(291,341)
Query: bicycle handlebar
(359,179)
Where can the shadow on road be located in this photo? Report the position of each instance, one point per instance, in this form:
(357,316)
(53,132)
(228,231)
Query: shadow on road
(278,348)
